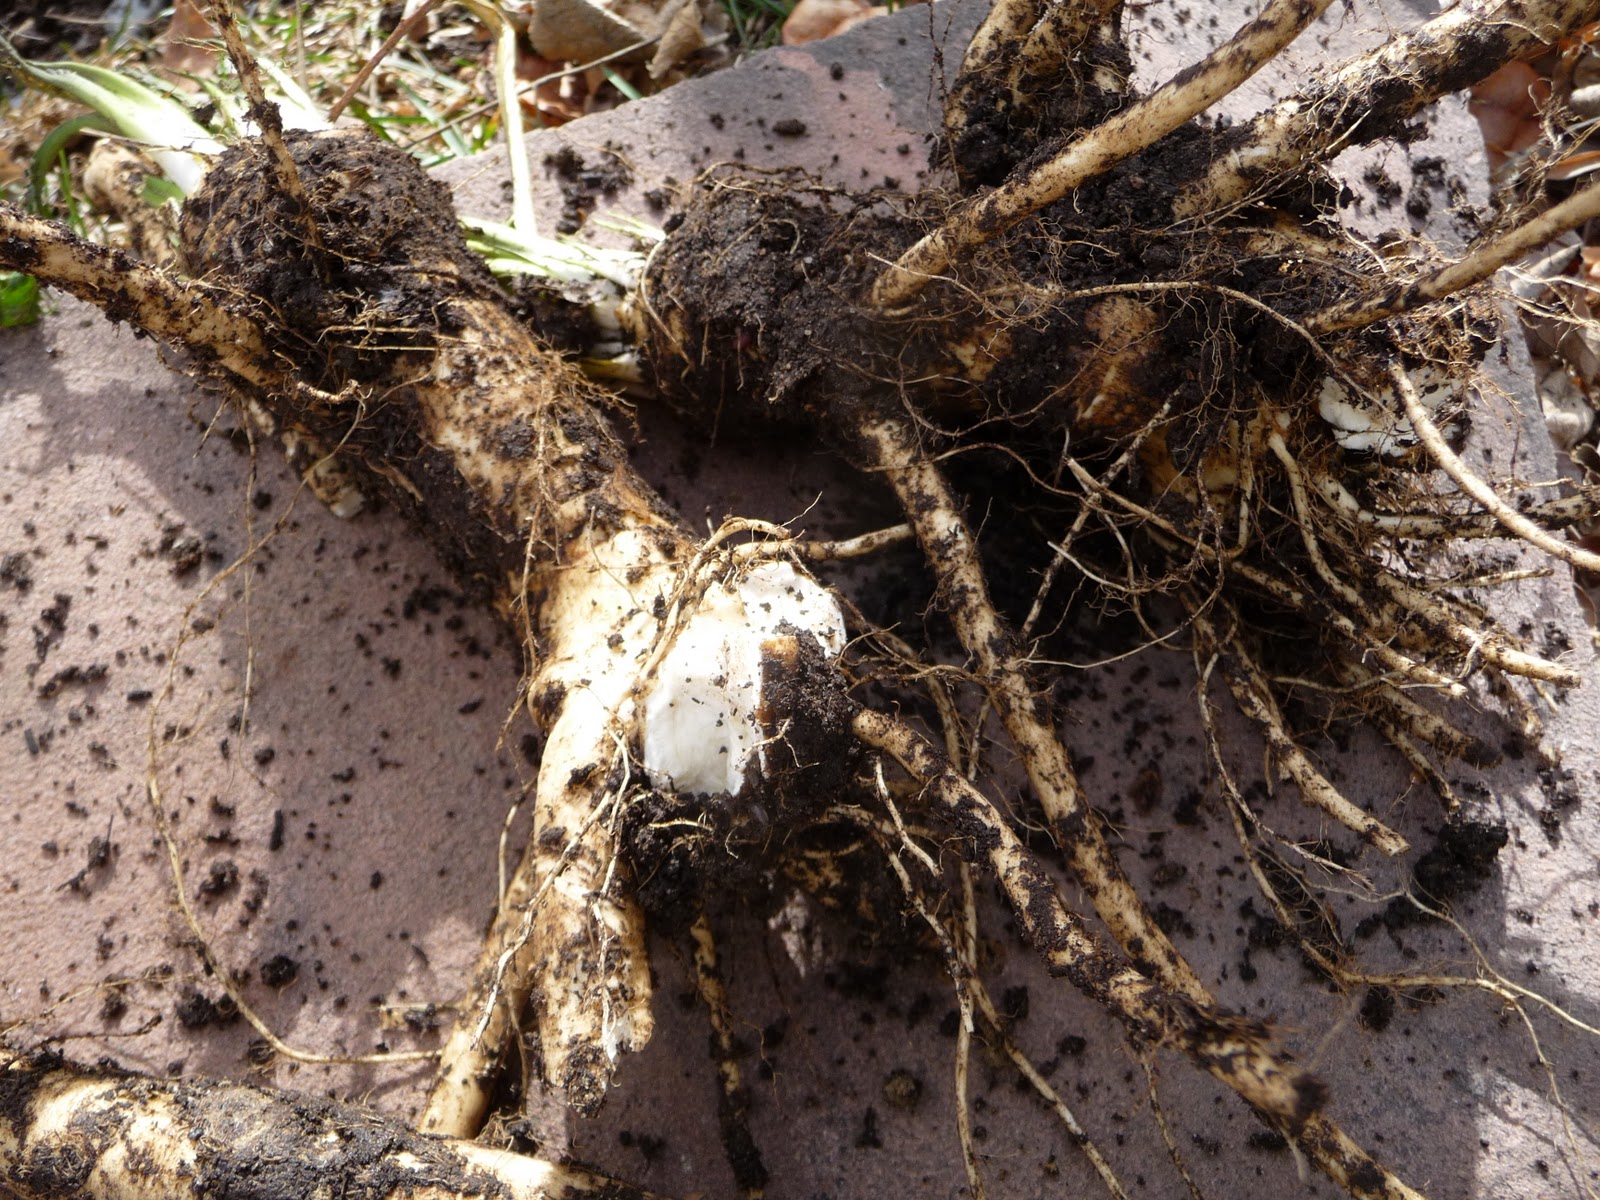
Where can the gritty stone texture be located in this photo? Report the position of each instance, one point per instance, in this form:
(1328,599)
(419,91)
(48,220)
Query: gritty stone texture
(334,731)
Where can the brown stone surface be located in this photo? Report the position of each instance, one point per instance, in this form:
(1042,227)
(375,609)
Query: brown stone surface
(334,680)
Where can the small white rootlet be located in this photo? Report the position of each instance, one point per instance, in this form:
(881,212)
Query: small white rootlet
(701,727)
(1376,423)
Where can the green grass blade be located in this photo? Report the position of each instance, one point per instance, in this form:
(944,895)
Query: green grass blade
(19,299)
(177,142)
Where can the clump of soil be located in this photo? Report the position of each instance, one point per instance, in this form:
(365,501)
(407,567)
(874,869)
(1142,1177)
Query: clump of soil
(1459,862)
(367,283)
(361,261)
(759,291)
(1004,120)
(584,182)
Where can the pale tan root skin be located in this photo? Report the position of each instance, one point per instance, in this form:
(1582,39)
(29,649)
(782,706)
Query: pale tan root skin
(1125,134)
(1234,1050)
(950,547)
(1413,69)
(125,289)
(102,1134)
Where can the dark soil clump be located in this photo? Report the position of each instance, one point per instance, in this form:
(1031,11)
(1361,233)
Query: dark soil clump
(365,285)
(759,294)
(1460,862)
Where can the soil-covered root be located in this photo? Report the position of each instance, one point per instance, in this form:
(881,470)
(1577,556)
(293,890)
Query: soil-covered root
(103,1134)
(1046,180)
(1031,67)
(1375,96)
(445,405)
(1235,1050)
(757,314)
(648,650)
(384,339)
(1231,453)
(215,323)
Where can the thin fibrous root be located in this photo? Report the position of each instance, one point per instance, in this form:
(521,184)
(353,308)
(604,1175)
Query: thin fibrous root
(1147,1061)
(1425,612)
(890,446)
(1232,1049)
(1254,697)
(1205,667)
(1450,463)
(1475,266)
(963,971)
(733,1104)
(1417,719)
(1139,125)
(102,1134)
(1283,592)
(1372,94)
(1561,513)
(1335,963)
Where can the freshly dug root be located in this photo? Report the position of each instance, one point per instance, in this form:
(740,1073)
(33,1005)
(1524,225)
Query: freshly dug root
(1173,394)
(1255,700)
(1372,97)
(1482,263)
(525,489)
(103,1134)
(1121,136)
(1202,389)
(444,404)
(438,400)
(690,286)
(1233,1049)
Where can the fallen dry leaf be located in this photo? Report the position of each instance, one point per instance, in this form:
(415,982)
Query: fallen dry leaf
(1508,105)
(189,28)
(813,20)
(664,32)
